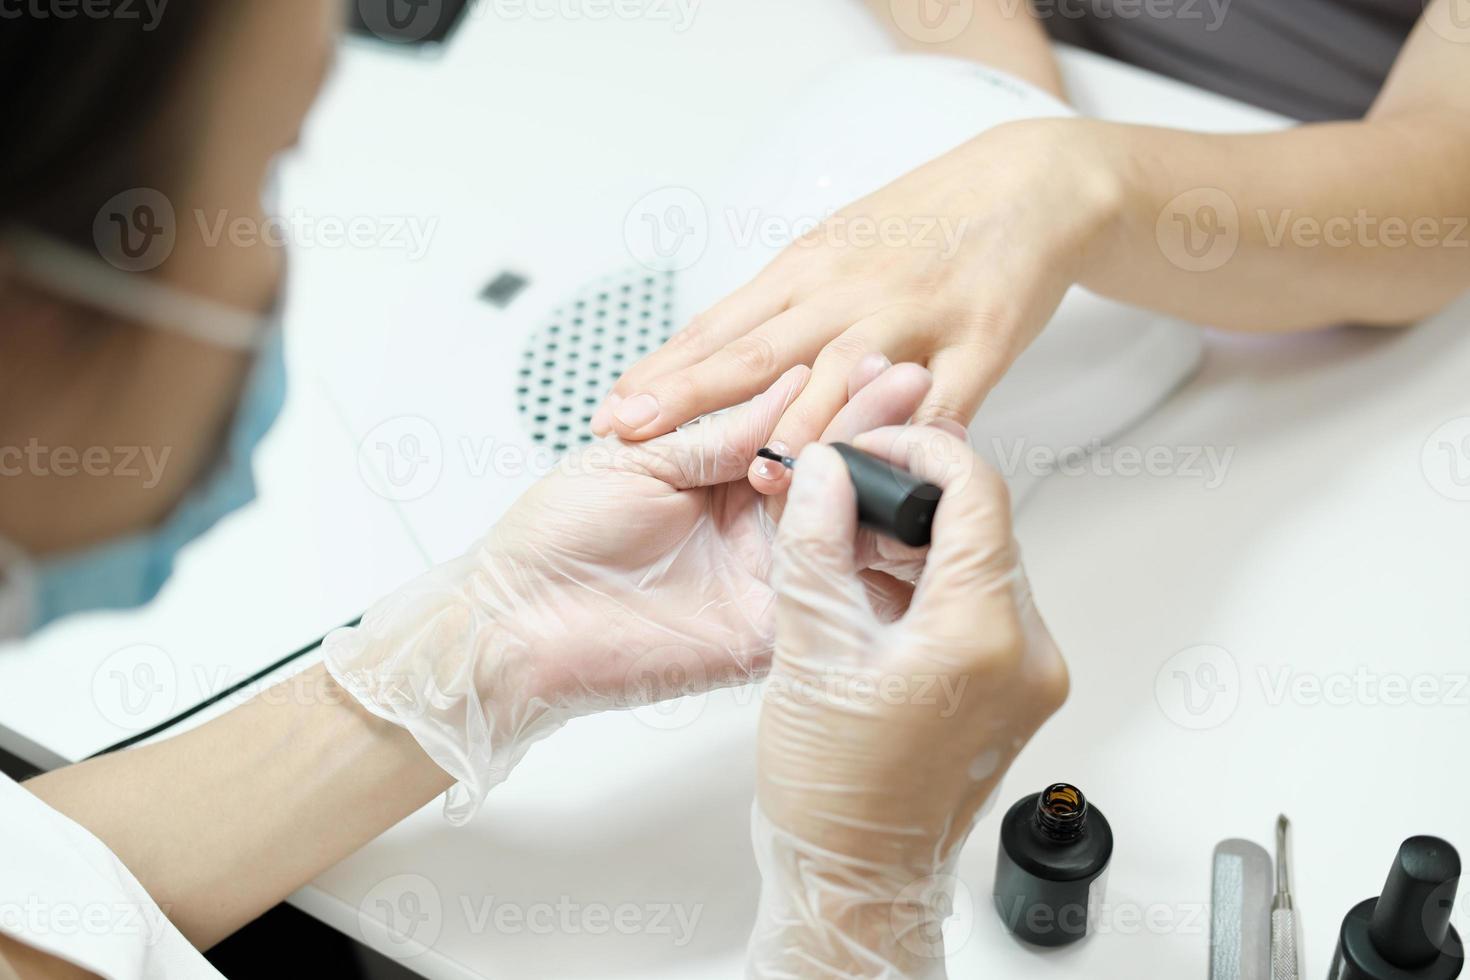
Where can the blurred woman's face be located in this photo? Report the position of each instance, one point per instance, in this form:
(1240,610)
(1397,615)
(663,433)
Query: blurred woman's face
(241,98)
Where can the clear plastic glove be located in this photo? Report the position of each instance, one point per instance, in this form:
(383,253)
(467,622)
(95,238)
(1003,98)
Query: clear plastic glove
(632,574)
(880,740)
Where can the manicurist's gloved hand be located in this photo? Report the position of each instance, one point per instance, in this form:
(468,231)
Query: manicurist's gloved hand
(632,574)
(880,739)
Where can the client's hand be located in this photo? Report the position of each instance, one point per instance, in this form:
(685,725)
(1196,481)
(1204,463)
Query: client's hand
(976,250)
(632,574)
(879,741)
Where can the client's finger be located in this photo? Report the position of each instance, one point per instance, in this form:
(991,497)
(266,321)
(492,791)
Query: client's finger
(867,371)
(727,377)
(742,311)
(962,379)
(717,448)
(827,393)
(889,399)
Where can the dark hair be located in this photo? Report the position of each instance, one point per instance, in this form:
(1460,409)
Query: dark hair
(82,96)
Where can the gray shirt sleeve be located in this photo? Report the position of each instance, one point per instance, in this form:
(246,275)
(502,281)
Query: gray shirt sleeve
(1308,59)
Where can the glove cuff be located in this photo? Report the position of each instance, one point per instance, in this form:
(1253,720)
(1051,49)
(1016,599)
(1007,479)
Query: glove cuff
(429,659)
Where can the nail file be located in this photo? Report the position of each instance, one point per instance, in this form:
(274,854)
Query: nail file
(1240,912)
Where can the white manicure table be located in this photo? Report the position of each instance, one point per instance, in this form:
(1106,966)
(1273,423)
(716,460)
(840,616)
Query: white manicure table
(1292,636)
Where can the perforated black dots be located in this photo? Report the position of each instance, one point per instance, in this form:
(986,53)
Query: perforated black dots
(584,346)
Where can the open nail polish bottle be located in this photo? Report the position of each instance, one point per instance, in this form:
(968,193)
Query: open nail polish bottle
(1052,870)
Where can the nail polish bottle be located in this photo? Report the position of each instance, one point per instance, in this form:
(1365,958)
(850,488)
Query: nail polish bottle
(1405,933)
(1052,870)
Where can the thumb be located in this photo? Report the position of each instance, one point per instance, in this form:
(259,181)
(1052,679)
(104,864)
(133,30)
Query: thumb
(815,572)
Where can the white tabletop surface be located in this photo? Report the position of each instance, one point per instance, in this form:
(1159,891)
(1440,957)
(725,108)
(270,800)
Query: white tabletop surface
(1289,631)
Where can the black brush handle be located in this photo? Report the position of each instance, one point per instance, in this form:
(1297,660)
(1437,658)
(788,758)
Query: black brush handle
(891,500)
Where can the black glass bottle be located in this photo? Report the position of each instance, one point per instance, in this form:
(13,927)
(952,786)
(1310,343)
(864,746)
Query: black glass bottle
(1054,854)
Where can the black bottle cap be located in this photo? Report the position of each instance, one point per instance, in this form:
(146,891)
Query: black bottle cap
(1405,934)
(1412,918)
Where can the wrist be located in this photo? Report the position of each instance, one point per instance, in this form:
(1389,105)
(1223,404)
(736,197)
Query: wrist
(1077,175)
(352,732)
(845,913)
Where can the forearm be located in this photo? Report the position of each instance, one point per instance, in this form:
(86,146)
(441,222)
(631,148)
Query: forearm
(1323,224)
(224,821)
(1004,34)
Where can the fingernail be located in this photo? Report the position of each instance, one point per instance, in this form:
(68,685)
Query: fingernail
(769,470)
(877,362)
(637,411)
